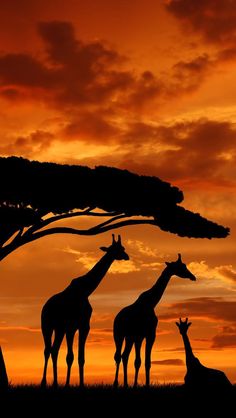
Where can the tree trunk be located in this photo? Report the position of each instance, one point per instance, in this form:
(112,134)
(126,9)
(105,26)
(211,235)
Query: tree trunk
(3,372)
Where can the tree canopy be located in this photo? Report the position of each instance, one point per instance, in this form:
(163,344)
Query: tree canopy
(35,194)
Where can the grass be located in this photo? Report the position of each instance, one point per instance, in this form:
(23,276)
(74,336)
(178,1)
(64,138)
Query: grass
(104,400)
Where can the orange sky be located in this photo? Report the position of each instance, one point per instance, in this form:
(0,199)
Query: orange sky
(143,85)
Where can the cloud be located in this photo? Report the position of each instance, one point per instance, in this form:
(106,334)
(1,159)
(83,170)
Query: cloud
(189,75)
(223,341)
(203,270)
(101,336)
(90,80)
(124,267)
(175,349)
(195,152)
(90,83)
(213,19)
(100,99)
(207,308)
(75,74)
(169,362)
(24,70)
(153,265)
(143,258)
(24,311)
(198,151)
(225,338)
(101,320)
(143,95)
(20,337)
(228,272)
(144,249)
(147,88)
(88,260)
(34,143)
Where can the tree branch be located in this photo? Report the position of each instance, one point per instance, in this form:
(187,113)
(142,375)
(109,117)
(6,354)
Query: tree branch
(115,218)
(91,231)
(10,235)
(55,218)
(66,230)
(128,222)
(105,214)
(18,236)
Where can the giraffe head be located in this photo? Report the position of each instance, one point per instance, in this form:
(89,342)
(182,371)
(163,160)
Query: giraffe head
(183,326)
(116,249)
(178,268)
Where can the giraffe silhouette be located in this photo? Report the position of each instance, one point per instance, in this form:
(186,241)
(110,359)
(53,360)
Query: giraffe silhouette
(70,310)
(138,321)
(198,375)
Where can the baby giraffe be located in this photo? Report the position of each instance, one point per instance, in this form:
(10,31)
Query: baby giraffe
(199,376)
(70,311)
(138,321)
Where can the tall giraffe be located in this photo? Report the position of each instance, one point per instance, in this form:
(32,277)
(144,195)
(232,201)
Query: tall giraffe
(198,375)
(138,321)
(70,310)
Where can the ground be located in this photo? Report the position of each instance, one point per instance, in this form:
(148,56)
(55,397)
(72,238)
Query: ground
(106,401)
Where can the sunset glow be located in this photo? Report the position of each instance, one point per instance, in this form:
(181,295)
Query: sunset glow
(143,85)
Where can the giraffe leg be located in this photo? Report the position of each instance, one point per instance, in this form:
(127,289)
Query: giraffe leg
(70,355)
(149,343)
(117,357)
(54,353)
(125,357)
(137,361)
(83,333)
(47,335)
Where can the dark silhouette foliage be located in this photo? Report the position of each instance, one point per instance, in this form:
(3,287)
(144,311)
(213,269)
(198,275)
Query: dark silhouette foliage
(185,223)
(55,188)
(35,194)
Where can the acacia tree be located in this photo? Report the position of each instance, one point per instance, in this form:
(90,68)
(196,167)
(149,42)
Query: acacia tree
(34,196)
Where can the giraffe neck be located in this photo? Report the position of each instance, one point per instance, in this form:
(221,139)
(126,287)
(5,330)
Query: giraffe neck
(153,295)
(90,281)
(190,358)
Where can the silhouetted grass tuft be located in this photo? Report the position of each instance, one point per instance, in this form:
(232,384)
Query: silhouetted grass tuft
(108,401)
